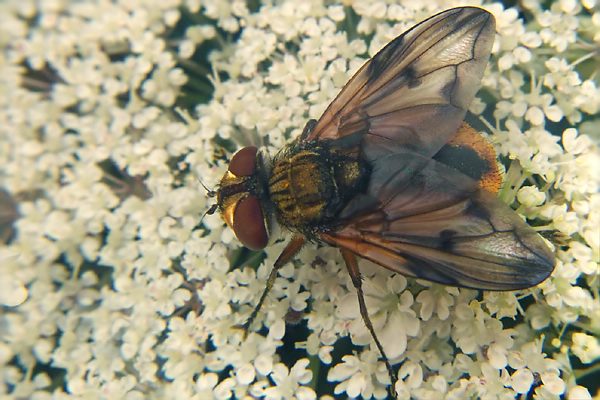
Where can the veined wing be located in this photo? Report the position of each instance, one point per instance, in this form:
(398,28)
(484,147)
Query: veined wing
(416,90)
(424,219)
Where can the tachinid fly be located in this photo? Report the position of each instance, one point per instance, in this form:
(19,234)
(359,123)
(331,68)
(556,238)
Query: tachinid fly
(391,173)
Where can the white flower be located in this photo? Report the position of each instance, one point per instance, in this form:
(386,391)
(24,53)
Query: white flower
(586,347)
(108,253)
(289,383)
(226,13)
(411,374)
(469,327)
(360,375)
(563,220)
(534,106)
(530,196)
(13,291)
(558,29)
(390,311)
(185,335)
(583,258)
(552,384)
(436,299)
(578,393)
(167,294)
(573,143)
(314,346)
(327,278)
(212,295)
(521,380)
(492,384)
(296,297)
(205,385)
(513,42)
(501,304)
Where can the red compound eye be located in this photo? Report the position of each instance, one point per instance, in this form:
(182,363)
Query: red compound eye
(249,224)
(243,163)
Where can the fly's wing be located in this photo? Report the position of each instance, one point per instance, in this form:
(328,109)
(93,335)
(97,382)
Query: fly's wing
(424,219)
(418,216)
(416,90)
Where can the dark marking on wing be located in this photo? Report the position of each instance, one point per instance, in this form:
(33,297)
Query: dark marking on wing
(477,211)
(423,269)
(381,62)
(412,78)
(446,239)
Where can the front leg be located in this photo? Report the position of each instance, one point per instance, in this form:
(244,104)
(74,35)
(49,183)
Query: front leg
(292,248)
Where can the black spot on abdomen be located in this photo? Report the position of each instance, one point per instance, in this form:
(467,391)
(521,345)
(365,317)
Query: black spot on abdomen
(463,159)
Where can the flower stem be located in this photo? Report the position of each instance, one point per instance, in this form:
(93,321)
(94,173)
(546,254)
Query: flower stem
(580,373)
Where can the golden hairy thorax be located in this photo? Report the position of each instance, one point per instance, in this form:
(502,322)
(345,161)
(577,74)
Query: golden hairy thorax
(309,187)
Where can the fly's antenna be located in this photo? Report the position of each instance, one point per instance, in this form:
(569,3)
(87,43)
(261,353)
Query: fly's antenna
(209,192)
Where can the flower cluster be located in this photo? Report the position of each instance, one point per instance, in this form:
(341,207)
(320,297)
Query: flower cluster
(110,286)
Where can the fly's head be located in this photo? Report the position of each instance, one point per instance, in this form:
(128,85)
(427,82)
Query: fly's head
(241,199)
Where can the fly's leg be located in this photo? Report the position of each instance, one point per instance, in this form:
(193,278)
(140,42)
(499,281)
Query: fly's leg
(292,248)
(352,265)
